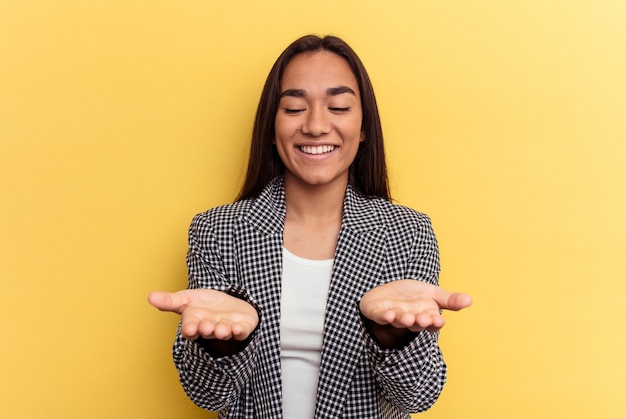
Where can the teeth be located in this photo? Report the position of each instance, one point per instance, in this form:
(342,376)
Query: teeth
(317,149)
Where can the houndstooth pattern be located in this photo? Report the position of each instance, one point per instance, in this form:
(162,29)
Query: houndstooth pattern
(237,248)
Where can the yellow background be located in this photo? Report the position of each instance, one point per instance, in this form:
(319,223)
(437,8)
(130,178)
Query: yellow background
(505,121)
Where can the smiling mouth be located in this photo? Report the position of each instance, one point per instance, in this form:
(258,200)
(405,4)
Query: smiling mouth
(319,149)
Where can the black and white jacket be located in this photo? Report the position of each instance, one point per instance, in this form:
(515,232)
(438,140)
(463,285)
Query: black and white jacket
(238,248)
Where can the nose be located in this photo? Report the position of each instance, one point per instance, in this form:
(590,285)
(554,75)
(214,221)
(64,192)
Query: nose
(317,122)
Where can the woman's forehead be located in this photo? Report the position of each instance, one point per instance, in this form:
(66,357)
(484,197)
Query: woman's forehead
(321,70)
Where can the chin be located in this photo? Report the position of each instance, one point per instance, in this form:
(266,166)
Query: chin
(321,181)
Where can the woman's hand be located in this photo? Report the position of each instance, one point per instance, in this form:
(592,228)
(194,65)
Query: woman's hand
(411,305)
(208,313)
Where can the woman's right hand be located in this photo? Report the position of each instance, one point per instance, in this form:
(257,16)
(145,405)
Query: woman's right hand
(208,313)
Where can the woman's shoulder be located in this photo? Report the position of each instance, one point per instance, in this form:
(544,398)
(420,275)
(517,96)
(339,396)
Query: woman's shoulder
(223,214)
(394,212)
(263,210)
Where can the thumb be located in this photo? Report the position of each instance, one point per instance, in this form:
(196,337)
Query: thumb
(168,301)
(452,300)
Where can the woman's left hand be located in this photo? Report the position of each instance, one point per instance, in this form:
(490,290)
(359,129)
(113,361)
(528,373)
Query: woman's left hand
(411,304)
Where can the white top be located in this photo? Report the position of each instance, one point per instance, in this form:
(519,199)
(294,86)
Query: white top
(305,284)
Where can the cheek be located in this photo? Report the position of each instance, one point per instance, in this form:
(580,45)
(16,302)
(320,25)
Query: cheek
(355,129)
(283,129)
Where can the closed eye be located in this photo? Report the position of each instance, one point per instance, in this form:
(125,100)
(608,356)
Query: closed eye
(292,111)
(339,109)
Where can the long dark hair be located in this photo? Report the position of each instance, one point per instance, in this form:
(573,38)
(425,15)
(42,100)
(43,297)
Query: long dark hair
(368,172)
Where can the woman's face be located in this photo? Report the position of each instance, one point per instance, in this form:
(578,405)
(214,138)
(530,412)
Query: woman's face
(318,122)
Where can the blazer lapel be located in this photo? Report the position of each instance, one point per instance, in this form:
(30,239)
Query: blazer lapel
(359,266)
(259,249)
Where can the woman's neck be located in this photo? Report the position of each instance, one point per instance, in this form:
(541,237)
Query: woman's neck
(313,219)
(313,203)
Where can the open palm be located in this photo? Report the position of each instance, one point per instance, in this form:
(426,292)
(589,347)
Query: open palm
(208,313)
(411,304)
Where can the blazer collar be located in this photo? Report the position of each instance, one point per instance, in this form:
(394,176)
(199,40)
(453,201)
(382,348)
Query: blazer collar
(359,213)
(267,211)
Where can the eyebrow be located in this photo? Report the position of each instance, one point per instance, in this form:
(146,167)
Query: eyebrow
(332,91)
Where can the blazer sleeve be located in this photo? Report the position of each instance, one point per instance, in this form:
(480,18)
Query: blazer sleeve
(411,378)
(213,383)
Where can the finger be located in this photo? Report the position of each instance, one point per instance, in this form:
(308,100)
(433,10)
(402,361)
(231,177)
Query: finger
(223,330)
(381,316)
(406,320)
(433,329)
(431,321)
(389,316)
(189,330)
(426,320)
(168,301)
(241,331)
(206,329)
(452,300)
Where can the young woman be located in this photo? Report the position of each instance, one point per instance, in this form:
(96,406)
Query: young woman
(312,295)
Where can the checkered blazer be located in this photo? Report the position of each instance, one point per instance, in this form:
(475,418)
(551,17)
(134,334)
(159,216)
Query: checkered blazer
(237,248)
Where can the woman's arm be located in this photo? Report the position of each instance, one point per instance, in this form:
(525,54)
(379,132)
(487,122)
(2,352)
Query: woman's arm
(401,320)
(216,343)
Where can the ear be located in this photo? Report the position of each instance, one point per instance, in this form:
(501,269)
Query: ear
(362,138)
